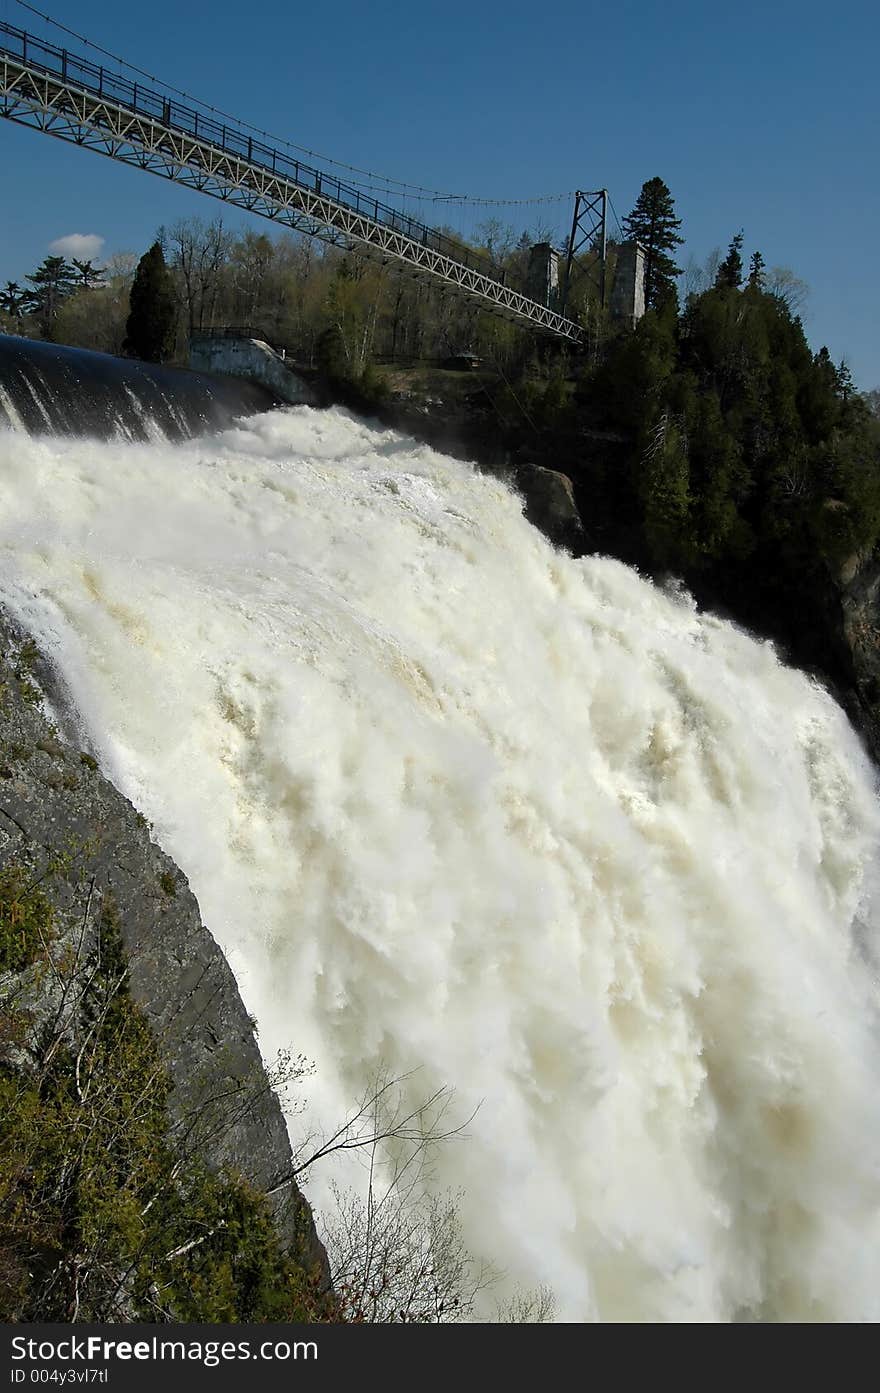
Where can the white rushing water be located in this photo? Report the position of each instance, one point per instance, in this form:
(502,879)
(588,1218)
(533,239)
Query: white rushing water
(454,802)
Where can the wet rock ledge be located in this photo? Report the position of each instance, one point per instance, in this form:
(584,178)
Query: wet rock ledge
(54,802)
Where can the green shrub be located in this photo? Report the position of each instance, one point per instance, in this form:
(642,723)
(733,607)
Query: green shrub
(25,920)
(104,1214)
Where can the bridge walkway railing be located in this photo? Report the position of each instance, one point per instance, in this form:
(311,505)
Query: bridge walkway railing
(347,211)
(232,138)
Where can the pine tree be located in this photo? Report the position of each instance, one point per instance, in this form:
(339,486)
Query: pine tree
(89,276)
(757,272)
(730,272)
(13,299)
(52,282)
(845,385)
(653,223)
(666,498)
(149,332)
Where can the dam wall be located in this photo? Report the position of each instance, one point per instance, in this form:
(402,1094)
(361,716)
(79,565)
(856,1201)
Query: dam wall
(49,389)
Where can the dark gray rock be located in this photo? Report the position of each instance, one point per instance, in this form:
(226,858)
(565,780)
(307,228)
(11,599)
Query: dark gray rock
(857,590)
(53,800)
(550,506)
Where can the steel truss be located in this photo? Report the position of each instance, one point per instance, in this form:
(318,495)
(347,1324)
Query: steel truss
(589,232)
(33,95)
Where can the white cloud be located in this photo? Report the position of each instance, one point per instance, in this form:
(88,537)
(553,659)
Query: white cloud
(85,246)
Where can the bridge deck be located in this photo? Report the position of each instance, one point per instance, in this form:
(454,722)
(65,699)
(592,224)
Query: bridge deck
(67,96)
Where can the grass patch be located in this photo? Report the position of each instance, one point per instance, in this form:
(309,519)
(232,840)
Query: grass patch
(168,882)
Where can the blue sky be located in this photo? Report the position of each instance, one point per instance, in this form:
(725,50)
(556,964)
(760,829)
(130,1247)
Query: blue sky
(760,116)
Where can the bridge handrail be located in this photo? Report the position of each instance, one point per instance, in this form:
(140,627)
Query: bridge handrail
(144,100)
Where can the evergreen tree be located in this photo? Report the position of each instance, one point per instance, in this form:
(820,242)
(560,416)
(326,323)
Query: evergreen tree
(89,276)
(12,299)
(149,332)
(757,271)
(653,223)
(719,482)
(845,385)
(730,272)
(52,282)
(666,498)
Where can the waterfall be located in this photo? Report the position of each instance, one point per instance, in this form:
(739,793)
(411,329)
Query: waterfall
(531,828)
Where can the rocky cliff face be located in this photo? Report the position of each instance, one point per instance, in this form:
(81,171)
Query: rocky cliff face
(55,803)
(855,620)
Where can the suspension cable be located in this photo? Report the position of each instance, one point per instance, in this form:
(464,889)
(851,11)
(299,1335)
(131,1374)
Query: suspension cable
(383,183)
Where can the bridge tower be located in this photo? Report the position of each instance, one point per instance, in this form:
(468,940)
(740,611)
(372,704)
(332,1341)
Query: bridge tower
(589,232)
(542,276)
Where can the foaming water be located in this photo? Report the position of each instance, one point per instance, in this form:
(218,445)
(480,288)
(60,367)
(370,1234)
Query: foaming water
(454,802)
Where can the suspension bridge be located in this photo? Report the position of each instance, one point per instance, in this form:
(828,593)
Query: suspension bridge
(66,95)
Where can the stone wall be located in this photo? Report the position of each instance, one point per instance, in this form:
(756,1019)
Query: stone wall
(252,359)
(628,294)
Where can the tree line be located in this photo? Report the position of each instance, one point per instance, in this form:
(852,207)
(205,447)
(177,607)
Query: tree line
(318,301)
(55,280)
(328,308)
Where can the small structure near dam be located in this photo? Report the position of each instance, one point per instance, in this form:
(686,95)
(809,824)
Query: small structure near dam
(242,353)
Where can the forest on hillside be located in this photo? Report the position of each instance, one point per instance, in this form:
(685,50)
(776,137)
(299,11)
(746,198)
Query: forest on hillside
(294,289)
